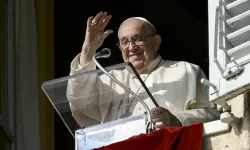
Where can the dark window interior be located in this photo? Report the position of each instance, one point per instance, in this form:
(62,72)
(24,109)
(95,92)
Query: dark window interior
(182,24)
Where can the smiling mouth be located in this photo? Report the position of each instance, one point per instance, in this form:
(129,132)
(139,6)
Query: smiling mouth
(136,55)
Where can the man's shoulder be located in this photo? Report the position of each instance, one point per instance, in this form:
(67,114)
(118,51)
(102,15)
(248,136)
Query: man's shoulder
(179,63)
(182,65)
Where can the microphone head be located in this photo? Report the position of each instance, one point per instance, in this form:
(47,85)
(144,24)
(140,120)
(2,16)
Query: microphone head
(105,53)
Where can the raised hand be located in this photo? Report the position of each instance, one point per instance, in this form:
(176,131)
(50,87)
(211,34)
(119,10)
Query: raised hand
(95,35)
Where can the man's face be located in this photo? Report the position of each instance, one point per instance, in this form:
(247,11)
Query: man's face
(137,45)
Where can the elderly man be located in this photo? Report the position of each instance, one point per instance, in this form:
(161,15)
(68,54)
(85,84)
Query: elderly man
(175,85)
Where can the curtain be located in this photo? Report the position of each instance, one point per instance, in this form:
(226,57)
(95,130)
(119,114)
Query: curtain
(33,65)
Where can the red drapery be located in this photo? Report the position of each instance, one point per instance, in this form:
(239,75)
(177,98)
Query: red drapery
(168,138)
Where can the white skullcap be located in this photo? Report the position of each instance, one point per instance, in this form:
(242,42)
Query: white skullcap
(139,18)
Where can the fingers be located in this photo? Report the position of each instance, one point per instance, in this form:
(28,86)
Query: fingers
(105,21)
(101,19)
(159,112)
(165,117)
(103,16)
(99,22)
(89,22)
(160,115)
(158,109)
(97,18)
(159,120)
(106,33)
(160,125)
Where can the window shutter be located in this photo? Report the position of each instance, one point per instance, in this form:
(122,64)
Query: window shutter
(229,49)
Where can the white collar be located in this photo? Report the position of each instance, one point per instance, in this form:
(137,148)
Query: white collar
(153,65)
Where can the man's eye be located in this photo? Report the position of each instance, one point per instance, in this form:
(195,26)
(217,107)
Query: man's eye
(124,42)
(139,39)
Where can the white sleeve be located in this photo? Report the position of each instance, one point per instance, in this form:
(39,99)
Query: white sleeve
(83,94)
(204,110)
(75,66)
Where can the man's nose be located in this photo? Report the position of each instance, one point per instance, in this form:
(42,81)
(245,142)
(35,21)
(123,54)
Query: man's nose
(131,46)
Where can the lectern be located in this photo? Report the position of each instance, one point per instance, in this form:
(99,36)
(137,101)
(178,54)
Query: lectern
(95,109)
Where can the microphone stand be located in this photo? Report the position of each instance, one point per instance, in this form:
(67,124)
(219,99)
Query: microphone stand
(105,53)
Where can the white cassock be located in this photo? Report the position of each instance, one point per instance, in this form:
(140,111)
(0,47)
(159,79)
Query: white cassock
(175,86)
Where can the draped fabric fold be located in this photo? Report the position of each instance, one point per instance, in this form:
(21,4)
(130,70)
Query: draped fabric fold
(168,138)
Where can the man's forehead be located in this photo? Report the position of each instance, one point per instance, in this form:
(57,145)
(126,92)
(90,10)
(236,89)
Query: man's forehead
(134,23)
(134,26)
(131,27)
(144,20)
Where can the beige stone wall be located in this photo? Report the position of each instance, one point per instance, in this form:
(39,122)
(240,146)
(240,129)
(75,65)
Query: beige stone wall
(240,107)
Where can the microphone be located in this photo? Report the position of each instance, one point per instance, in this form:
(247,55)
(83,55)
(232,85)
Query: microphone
(105,53)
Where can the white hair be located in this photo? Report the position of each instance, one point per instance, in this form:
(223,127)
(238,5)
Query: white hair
(139,18)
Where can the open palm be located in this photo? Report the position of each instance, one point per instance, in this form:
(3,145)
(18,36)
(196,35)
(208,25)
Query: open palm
(95,34)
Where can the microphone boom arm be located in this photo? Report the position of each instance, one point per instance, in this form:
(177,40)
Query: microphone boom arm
(150,127)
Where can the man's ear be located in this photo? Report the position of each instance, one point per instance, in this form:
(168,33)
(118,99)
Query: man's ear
(157,42)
